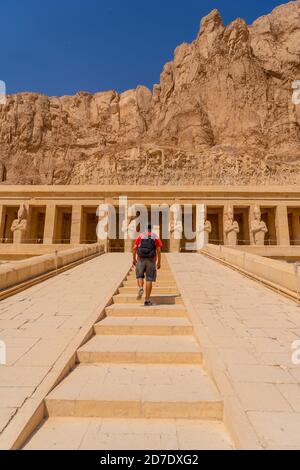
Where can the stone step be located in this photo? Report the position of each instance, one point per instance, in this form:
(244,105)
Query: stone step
(127,310)
(164,269)
(129,434)
(166,281)
(135,349)
(156,290)
(160,283)
(162,299)
(136,391)
(160,277)
(144,326)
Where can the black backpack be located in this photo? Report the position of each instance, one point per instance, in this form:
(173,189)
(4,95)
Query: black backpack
(147,248)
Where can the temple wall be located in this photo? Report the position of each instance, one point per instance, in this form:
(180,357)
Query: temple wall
(67,214)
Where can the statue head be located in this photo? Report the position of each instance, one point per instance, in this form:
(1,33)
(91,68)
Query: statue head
(230,213)
(22,212)
(257,213)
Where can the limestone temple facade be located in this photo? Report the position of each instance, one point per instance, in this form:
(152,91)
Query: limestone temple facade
(67,215)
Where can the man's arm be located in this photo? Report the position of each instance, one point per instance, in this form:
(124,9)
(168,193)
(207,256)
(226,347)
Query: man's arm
(134,253)
(135,249)
(158,258)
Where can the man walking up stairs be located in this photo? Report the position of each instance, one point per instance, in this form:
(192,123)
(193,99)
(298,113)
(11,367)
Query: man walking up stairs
(147,260)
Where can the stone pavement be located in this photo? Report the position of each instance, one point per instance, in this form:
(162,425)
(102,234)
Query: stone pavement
(246,332)
(216,358)
(139,382)
(39,324)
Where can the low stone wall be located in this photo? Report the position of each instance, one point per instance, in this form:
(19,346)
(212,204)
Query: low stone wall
(28,250)
(277,251)
(277,272)
(12,274)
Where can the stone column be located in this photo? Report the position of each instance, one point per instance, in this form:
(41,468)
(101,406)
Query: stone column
(174,246)
(207,227)
(130,227)
(258,227)
(251,211)
(128,246)
(19,237)
(282,226)
(2,221)
(175,228)
(76,224)
(106,242)
(49,232)
(296,228)
(225,211)
(231,227)
(19,226)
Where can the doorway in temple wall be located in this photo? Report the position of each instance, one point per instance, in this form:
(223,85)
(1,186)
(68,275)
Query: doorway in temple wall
(216,217)
(116,244)
(269,217)
(294,225)
(241,216)
(10,213)
(89,225)
(37,217)
(63,224)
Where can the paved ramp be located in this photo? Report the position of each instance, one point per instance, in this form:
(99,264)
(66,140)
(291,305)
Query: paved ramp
(41,327)
(246,332)
(210,361)
(139,382)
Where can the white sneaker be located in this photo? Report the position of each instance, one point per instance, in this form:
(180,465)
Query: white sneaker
(140,293)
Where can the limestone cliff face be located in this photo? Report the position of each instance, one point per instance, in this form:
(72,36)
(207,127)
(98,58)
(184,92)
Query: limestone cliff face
(222,113)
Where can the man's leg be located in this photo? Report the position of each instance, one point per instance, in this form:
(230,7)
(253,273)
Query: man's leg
(140,274)
(148,290)
(151,274)
(141,289)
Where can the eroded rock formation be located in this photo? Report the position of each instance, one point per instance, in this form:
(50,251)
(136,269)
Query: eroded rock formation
(222,113)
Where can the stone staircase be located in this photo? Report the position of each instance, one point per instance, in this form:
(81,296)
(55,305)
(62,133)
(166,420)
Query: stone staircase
(139,383)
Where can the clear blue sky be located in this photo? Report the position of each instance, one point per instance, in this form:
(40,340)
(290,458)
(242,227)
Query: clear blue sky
(60,47)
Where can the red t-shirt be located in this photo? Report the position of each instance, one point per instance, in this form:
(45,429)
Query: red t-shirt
(158,242)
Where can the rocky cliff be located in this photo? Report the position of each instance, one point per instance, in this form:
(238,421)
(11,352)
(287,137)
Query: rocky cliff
(222,113)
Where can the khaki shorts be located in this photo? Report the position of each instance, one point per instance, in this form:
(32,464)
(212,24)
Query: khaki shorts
(146,266)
